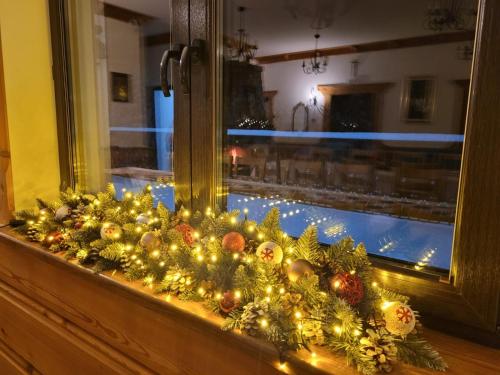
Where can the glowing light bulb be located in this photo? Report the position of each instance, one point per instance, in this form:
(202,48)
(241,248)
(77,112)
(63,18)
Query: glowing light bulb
(337,329)
(264,323)
(298,314)
(237,294)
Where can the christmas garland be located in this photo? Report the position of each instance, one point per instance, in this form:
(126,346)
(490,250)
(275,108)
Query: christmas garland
(291,292)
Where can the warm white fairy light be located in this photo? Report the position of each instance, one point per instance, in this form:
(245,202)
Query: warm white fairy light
(337,330)
(213,258)
(282,290)
(233,220)
(236,256)
(237,294)
(155,253)
(173,247)
(264,323)
(356,332)
(269,289)
(298,314)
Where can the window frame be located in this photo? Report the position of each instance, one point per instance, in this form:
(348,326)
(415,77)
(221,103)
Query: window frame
(466,304)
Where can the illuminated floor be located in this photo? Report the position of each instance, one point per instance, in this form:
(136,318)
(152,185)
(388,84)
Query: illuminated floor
(389,236)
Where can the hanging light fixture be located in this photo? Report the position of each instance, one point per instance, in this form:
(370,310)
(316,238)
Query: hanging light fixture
(452,15)
(240,49)
(316,64)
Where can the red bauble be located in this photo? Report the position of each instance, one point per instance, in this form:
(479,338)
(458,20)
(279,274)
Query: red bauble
(348,287)
(53,238)
(187,233)
(78,225)
(228,302)
(233,242)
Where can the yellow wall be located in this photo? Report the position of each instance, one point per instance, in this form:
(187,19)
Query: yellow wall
(24,26)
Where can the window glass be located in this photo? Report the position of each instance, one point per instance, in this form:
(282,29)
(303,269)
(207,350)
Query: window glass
(349,116)
(123,119)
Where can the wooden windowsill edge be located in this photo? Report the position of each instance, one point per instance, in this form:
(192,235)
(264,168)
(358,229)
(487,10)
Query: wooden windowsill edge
(459,354)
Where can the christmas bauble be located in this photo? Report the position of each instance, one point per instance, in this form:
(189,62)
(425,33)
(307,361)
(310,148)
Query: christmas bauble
(187,232)
(348,287)
(228,302)
(233,242)
(53,238)
(399,318)
(270,252)
(143,219)
(78,225)
(298,269)
(150,241)
(62,212)
(111,231)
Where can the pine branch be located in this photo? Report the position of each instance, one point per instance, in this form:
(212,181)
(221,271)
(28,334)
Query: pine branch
(418,352)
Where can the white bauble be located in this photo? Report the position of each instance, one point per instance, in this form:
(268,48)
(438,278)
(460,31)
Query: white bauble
(111,231)
(270,252)
(62,212)
(143,219)
(399,319)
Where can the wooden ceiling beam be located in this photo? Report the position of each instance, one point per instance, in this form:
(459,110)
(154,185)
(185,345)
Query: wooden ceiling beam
(125,15)
(418,41)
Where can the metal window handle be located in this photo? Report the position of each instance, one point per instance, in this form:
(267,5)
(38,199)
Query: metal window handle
(173,53)
(190,55)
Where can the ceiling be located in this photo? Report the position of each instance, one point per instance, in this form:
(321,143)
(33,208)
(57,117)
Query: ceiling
(281,26)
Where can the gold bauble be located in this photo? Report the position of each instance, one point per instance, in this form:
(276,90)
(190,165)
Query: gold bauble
(298,269)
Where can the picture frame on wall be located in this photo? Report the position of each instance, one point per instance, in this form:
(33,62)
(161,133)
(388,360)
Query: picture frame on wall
(418,99)
(120,87)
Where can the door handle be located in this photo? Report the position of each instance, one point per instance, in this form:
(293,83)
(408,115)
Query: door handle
(169,54)
(190,55)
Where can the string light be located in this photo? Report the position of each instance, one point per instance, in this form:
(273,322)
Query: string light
(237,294)
(356,332)
(233,220)
(338,330)
(282,290)
(298,314)
(269,289)
(264,323)
(155,253)
(374,284)
(213,258)
(236,256)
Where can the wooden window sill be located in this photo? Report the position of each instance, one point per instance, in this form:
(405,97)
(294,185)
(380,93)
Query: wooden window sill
(56,314)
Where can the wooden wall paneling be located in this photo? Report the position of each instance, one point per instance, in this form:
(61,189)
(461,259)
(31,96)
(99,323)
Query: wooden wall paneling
(182,109)
(6,192)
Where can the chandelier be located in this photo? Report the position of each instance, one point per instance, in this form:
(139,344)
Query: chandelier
(316,64)
(240,49)
(452,15)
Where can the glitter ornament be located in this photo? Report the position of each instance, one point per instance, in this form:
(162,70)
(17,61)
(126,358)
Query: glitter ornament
(187,232)
(270,252)
(111,231)
(348,287)
(399,318)
(62,212)
(298,269)
(233,242)
(150,241)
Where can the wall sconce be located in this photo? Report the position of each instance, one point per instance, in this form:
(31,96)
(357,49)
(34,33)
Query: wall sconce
(313,100)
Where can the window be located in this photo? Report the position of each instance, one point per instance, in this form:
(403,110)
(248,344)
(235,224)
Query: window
(345,145)
(123,121)
(377,153)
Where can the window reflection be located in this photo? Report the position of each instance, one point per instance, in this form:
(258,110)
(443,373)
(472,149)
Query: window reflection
(368,144)
(124,122)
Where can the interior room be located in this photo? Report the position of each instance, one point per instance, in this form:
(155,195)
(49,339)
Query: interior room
(249,186)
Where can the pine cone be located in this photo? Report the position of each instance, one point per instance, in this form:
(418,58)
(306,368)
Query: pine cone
(379,347)
(251,318)
(178,280)
(313,332)
(33,234)
(293,302)
(88,256)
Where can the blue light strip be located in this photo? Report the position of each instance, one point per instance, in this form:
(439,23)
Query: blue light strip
(141,130)
(368,136)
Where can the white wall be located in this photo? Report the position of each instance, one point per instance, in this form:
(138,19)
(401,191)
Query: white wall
(125,55)
(392,66)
